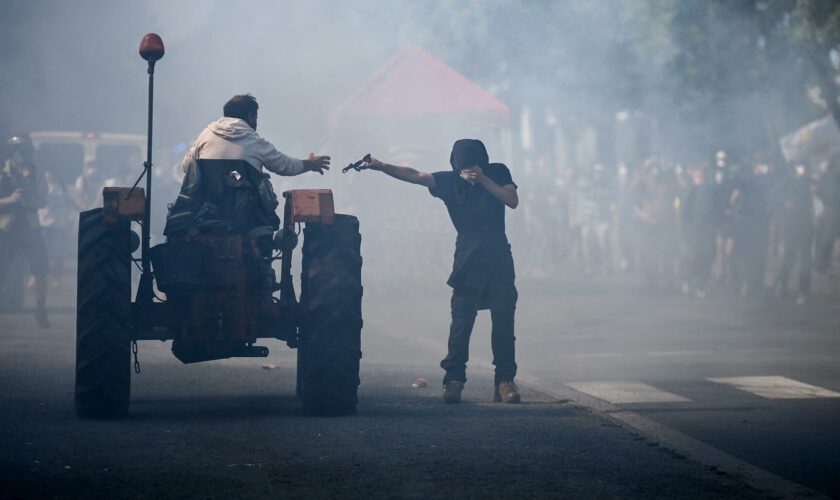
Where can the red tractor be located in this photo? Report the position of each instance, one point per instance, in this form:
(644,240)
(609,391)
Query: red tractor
(215,270)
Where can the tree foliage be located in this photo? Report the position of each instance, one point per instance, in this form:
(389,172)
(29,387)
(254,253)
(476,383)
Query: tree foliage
(779,50)
(732,71)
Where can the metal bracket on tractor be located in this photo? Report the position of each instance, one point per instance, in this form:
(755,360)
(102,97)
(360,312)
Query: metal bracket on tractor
(123,202)
(310,205)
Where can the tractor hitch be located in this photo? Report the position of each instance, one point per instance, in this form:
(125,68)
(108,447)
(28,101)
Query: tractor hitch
(188,352)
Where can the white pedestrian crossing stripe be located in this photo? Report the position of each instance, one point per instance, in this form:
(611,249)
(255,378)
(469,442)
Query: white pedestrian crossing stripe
(619,392)
(776,387)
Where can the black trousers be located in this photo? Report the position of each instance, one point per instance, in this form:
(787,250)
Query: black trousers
(751,246)
(701,257)
(30,242)
(798,246)
(498,295)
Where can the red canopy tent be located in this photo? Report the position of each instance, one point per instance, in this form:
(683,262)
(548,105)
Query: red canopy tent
(412,85)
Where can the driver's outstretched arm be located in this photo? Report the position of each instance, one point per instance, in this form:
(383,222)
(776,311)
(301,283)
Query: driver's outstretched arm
(406,174)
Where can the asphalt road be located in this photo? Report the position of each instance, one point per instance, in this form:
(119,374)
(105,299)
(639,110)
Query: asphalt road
(233,428)
(727,372)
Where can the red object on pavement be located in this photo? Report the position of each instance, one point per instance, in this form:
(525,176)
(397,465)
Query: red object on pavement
(420,382)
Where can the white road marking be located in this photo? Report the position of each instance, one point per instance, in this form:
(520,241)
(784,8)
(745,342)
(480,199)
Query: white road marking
(761,350)
(776,387)
(619,392)
(674,440)
(679,353)
(657,433)
(592,355)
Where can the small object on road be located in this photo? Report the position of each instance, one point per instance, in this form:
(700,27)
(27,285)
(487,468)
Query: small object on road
(269,367)
(420,382)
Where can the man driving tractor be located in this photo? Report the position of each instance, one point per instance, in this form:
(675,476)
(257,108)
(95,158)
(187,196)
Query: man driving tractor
(234,137)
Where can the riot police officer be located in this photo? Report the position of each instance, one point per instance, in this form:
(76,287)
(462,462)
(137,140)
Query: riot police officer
(23,190)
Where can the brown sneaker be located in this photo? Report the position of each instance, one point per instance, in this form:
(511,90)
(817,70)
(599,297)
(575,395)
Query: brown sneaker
(452,391)
(506,392)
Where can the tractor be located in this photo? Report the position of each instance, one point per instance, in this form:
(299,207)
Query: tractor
(218,283)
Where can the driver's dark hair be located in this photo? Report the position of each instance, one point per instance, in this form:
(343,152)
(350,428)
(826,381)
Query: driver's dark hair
(241,106)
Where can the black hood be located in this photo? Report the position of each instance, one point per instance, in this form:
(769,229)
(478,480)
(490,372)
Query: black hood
(467,153)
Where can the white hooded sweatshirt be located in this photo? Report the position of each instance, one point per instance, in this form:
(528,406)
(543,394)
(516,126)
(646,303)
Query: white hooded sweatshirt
(233,139)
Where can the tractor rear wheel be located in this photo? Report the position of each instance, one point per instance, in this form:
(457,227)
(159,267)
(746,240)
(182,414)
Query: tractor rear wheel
(103,317)
(331,297)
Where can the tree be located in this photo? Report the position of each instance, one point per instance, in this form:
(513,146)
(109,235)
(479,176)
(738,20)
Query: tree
(770,54)
(815,31)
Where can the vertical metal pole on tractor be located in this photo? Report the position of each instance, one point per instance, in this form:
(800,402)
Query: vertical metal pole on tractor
(151,49)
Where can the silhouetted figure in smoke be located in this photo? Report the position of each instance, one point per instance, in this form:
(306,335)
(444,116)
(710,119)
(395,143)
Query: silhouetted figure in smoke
(628,238)
(56,218)
(23,190)
(752,228)
(86,190)
(590,211)
(655,222)
(797,228)
(700,214)
(828,230)
(476,193)
(727,271)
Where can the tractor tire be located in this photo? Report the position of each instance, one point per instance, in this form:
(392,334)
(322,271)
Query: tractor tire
(331,298)
(103,317)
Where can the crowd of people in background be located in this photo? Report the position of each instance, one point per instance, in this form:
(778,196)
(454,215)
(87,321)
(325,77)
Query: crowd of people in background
(752,229)
(722,227)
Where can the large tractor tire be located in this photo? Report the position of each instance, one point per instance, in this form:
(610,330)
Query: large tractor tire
(103,317)
(331,297)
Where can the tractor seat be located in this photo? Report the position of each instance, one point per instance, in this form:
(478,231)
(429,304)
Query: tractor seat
(222,195)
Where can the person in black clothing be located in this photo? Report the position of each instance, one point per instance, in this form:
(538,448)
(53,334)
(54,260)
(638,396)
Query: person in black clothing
(797,227)
(828,228)
(23,190)
(752,223)
(475,193)
(700,214)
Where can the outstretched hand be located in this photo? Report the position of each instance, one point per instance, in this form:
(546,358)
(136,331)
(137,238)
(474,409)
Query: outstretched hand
(317,163)
(372,163)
